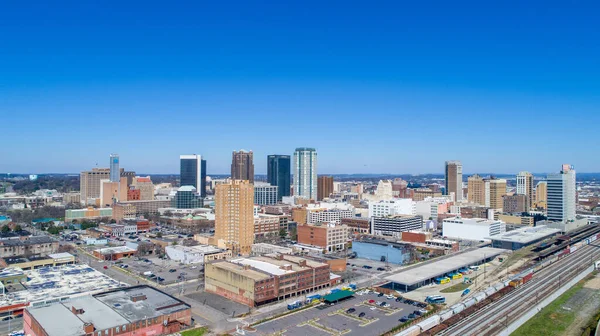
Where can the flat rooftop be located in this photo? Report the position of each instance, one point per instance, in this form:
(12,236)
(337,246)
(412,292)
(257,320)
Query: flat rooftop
(263,265)
(206,249)
(51,283)
(470,221)
(526,235)
(438,268)
(116,249)
(239,269)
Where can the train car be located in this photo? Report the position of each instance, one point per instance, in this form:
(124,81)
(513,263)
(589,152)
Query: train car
(498,286)
(597,265)
(516,282)
(469,302)
(527,277)
(490,291)
(429,323)
(412,331)
(446,314)
(457,308)
(480,296)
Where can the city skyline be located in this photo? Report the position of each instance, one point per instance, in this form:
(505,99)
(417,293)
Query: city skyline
(209,80)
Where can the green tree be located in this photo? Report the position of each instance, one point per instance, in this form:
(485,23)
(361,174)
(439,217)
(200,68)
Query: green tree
(282,233)
(159,235)
(294,234)
(17,228)
(113,221)
(5,229)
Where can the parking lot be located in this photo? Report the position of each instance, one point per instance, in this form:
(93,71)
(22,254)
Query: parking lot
(354,316)
(161,268)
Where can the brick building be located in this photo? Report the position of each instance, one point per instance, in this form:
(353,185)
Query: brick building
(357,225)
(330,237)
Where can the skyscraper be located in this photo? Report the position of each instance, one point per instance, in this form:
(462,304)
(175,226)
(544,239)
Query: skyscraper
(541,191)
(234,215)
(324,187)
(305,172)
(193,172)
(242,166)
(525,186)
(278,174)
(561,195)
(494,190)
(115,172)
(476,189)
(454,179)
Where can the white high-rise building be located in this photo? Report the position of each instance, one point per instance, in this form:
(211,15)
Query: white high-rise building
(305,173)
(399,206)
(525,186)
(561,195)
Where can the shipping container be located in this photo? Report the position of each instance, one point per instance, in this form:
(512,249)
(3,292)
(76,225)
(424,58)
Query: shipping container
(469,302)
(457,308)
(446,314)
(412,331)
(479,296)
(429,323)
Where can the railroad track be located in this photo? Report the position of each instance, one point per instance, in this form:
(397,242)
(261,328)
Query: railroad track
(491,319)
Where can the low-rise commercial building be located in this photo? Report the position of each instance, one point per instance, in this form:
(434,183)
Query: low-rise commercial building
(263,248)
(137,310)
(358,225)
(87,214)
(27,263)
(266,225)
(516,219)
(472,228)
(198,254)
(259,280)
(330,237)
(114,253)
(395,225)
(27,246)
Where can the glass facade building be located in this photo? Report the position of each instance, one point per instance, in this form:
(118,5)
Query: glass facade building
(115,172)
(279,174)
(187,198)
(193,172)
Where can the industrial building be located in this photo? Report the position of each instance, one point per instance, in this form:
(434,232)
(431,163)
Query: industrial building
(138,310)
(519,238)
(198,254)
(47,285)
(424,274)
(263,248)
(472,228)
(259,280)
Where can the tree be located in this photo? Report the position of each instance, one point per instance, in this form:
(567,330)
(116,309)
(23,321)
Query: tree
(113,221)
(5,229)
(159,235)
(282,233)
(18,228)
(294,234)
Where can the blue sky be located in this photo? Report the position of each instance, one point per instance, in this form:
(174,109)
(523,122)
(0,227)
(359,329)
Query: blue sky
(376,87)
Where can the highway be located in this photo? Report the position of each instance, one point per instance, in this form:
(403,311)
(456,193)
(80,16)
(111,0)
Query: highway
(496,316)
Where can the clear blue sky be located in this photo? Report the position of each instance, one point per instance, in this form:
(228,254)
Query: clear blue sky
(376,87)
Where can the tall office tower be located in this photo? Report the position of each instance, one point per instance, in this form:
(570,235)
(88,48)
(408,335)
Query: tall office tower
(494,190)
(305,173)
(242,166)
(561,193)
(476,189)
(278,174)
(193,172)
(541,192)
(115,172)
(90,183)
(400,188)
(234,215)
(525,186)
(324,187)
(454,179)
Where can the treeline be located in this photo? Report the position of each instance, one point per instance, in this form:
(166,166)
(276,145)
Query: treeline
(28,215)
(60,183)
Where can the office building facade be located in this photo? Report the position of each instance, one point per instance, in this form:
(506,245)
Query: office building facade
(305,173)
(234,215)
(495,189)
(515,203)
(561,195)
(541,191)
(525,186)
(242,166)
(279,174)
(187,198)
(265,194)
(115,172)
(476,189)
(453,181)
(324,187)
(90,183)
(394,225)
(193,172)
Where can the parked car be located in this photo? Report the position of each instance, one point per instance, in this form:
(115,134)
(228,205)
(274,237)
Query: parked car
(105,267)
(172,270)
(371,301)
(380,269)
(404,319)
(412,316)
(398,299)
(361,314)
(418,313)
(160,279)
(380,295)
(350,311)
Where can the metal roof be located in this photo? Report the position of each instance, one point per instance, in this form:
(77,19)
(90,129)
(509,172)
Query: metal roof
(414,275)
(333,297)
